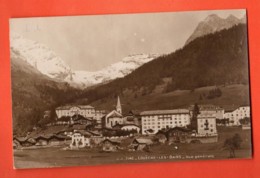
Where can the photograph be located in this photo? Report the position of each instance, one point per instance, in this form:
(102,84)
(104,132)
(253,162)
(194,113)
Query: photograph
(130,88)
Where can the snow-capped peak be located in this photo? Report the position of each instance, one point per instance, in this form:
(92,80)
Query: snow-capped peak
(40,56)
(113,71)
(49,63)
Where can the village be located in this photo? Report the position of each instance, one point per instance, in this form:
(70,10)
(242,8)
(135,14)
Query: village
(82,126)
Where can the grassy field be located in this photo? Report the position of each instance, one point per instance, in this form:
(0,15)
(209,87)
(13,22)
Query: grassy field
(49,157)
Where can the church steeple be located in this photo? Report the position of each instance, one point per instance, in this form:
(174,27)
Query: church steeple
(118,106)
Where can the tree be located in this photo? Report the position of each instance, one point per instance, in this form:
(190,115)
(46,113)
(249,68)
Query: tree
(232,144)
(195,113)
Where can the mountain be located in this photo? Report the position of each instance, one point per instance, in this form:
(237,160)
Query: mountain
(213,23)
(218,59)
(40,57)
(49,63)
(33,93)
(111,72)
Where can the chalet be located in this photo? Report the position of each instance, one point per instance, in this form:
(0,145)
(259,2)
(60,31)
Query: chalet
(19,142)
(23,142)
(55,140)
(114,117)
(41,141)
(109,131)
(153,121)
(161,136)
(16,143)
(109,145)
(79,140)
(64,120)
(141,144)
(133,117)
(51,140)
(79,119)
(178,135)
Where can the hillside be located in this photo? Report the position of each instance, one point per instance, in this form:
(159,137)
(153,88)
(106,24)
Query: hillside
(33,93)
(234,95)
(212,60)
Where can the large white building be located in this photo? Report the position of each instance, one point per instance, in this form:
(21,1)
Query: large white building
(206,123)
(234,115)
(85,110)
(153,121)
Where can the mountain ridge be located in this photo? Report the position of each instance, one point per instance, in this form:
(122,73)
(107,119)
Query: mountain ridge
(213,23)
(50,64)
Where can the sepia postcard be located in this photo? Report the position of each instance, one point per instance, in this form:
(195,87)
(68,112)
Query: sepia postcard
(130,88)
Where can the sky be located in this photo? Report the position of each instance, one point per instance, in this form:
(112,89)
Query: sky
(93,42)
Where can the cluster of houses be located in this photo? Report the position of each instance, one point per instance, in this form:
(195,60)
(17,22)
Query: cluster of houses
(83,126)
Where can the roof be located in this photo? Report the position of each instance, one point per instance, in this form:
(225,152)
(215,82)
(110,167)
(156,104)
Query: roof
(20,139)
(115,142)
(64,118)
(124,125)
(206,115)
(84,133)
(67,107)
(79,127)
(230,108)
(158,112)
(244,105)
(79,117)
(86,107)
(206,107)
(144,141)
(134,112)
(113,114)
(179,129)
(24,139)
(58,137)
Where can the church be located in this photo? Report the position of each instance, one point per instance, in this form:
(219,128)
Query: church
(114,117)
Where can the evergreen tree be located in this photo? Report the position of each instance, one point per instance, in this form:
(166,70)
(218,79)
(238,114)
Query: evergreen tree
(195,113)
